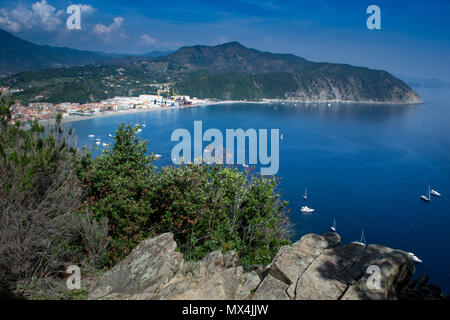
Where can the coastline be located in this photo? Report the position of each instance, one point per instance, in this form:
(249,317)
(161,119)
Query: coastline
(69,119)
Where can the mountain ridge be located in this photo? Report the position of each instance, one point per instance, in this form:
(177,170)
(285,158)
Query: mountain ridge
(229,71)
(18,55)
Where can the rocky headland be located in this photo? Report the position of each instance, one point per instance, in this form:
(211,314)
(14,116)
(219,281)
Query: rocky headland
(317,267)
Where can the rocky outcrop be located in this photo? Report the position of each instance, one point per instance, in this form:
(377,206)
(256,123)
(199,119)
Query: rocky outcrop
(315,267)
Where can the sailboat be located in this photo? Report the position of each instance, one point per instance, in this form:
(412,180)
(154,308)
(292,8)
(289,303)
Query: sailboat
(305,195)
(333,228)
(362,241)
(425,198)
(281,137)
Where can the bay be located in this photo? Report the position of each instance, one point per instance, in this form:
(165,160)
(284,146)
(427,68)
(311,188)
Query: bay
(364,165)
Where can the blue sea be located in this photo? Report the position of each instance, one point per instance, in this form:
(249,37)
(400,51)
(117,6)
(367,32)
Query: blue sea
(364,165)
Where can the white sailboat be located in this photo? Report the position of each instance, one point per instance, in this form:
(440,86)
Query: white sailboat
(157,156)
(305,195)
(307,209)
(362,241)
(333,228)
(414,258)
(426,198)
(435,193)
(91,135)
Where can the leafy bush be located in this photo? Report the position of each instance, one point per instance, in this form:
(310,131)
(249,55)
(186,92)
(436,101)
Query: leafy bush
(206,207)
(118,186)
(216,207)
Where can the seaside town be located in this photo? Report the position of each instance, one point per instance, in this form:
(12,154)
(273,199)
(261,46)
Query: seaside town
(45,110)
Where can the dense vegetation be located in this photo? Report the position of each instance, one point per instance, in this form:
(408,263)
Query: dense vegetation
(59,206)
(41,228)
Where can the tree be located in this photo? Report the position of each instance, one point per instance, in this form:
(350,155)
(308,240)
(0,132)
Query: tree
(118,186)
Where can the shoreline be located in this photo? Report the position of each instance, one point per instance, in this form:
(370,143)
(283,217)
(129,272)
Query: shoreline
(69,119)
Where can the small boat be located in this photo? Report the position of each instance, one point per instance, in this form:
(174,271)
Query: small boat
(144,125)
(307,209)
(245,165)
(98,139)
(426,198)
(97,142)
(329,104)
(281,137)
(435,193)
(414,258)
(139,130)
(362,241)
(91,135)
(305,195)
(104,144)
(110,135)
(333,228)
(157,156)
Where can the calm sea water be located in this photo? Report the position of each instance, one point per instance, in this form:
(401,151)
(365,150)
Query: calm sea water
(364,165)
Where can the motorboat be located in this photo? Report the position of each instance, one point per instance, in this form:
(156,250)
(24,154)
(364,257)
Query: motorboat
(435,193)
(414,258)
(307,209)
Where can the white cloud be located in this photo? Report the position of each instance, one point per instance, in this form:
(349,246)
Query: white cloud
(86,8)
(46,15)
(146,40)
(107,32)
(41,16)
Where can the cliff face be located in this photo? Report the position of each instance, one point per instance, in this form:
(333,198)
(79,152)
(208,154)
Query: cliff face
(232,71)
(315,267)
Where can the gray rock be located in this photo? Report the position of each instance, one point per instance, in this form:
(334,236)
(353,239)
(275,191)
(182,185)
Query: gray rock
(315,267)
(150,265)
(395,270)
(271,289)
(250,283)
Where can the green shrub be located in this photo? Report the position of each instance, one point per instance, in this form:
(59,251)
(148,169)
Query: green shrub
(206,207)
(217,207)
(118,185)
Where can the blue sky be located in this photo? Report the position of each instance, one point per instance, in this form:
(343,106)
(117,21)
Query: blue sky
(413,40)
